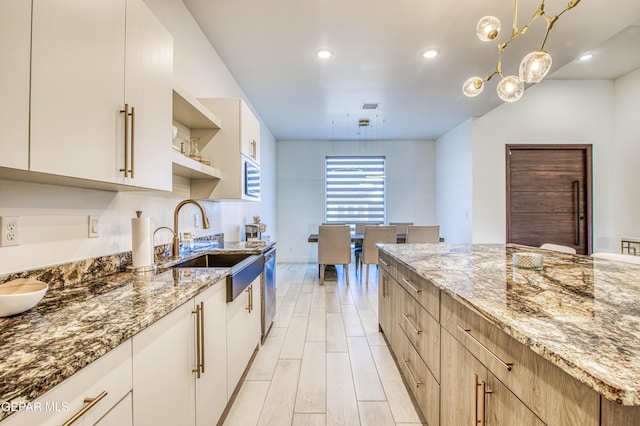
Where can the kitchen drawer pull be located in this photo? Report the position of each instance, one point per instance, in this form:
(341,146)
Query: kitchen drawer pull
(90,403)
(133,140)
(249,307)
(126,140)
(406,318)
(383,262)
(507,365)
(407,282)
(413,377)
(202,337)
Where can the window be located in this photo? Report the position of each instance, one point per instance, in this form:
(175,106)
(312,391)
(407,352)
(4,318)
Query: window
(355,189)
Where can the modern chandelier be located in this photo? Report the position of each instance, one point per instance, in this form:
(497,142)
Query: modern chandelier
(534,66)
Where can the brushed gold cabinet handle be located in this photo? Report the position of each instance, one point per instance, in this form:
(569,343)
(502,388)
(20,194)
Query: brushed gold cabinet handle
(413,377)
(475,400)
(507,365)
(133,140)
(407,282)
(126,140)
(485,391)
(91,402)
(254,149)
(198,360)
(202,336)
(416,329)
(249,307)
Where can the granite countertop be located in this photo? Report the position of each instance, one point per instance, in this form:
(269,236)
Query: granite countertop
(580,313)
(73,326)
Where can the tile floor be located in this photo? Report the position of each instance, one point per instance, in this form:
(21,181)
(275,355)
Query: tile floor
(324,362)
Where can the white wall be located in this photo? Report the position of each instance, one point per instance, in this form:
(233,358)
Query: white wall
(627,155)
(53,220)
(410,174)
(454,184)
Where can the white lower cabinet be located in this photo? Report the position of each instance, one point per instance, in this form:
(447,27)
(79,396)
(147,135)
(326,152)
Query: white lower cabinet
(96,389)
(175,382)
(243,332)
(120,415)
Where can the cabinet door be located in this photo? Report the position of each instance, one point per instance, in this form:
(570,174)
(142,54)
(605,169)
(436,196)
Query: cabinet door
(15,51)
(120,415)
(249,133)
(163,365)
(504,408)
(460,391)
(148,89)
(243,332)
(77,87)
(211,389)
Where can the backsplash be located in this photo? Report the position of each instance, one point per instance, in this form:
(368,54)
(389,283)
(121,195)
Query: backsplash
(76,272)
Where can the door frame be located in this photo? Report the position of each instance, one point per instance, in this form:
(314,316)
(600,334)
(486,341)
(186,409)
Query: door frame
(587,148)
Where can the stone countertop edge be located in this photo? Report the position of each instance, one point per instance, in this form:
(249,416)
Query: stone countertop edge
(75,326)
(600,371)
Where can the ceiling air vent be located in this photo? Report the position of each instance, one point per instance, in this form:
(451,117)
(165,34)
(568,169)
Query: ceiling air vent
(370,106)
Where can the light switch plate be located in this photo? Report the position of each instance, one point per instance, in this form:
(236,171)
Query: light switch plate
(94,226)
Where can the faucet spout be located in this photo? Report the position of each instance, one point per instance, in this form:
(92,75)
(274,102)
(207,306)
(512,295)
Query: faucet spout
(175,250)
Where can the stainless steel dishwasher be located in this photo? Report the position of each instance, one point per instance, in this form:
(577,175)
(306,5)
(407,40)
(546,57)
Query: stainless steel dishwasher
(268,291)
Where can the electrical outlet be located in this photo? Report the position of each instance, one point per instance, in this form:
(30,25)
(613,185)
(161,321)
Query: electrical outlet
(10,229)
(94,226)
(196,220)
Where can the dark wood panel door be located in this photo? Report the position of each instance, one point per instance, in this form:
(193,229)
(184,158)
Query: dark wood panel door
(549,195)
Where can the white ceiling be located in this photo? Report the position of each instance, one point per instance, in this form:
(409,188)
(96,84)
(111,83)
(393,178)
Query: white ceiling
(269,47)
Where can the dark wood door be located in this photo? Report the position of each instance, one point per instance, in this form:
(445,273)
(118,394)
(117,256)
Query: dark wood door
(549,195)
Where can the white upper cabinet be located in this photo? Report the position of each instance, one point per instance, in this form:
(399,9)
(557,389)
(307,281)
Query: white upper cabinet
(89,59)
(15,50)
(237,141)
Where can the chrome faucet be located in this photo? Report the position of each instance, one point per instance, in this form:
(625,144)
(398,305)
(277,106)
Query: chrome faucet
(175,250)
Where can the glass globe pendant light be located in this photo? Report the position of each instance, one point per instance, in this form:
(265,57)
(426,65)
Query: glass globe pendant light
(488,28)
(535,66)
(510,88)
(473,86)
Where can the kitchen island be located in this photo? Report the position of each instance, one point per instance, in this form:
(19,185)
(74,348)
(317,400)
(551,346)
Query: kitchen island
(76,325)
(563,339)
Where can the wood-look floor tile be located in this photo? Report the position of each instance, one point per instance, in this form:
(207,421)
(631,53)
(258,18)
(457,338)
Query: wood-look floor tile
(352,323)
(342,408)
(302,305)
(375,413)
(365,374)
(312,391)
(306,419)
(267,358)
(394,388)
(248,404)
(293,345)
(317,325)
(336,337)
(280,401)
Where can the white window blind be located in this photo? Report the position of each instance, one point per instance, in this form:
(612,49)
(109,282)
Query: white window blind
(355,189)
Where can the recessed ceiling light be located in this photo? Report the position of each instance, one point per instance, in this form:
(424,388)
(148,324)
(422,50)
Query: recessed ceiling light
(585,57)
(324,54)
(430,53)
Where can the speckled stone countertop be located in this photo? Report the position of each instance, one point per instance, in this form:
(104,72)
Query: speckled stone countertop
(580,313)
(75,325)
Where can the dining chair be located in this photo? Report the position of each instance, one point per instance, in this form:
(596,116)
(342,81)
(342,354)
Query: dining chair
(558,247)
(423,234)
(375,235)
(628,258)
(359,229)
(334,248)
(401,227)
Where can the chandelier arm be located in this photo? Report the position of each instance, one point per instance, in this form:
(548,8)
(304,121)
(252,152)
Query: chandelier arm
(552,20)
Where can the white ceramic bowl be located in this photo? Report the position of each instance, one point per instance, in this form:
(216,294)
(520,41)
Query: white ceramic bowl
(20,295)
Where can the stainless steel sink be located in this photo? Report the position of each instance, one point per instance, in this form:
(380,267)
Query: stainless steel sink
(245,268)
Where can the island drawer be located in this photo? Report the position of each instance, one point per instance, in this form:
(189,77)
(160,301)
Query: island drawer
(549,392)
(423,290)
(387,263)
(106,381)
(422,330)
(422,385)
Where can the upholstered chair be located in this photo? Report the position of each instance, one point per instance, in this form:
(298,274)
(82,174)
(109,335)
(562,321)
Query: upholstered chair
(558,247)
(401,227)
(375,235)
(423,234)
(334,248)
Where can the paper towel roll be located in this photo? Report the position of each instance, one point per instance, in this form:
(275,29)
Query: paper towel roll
(141,237)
